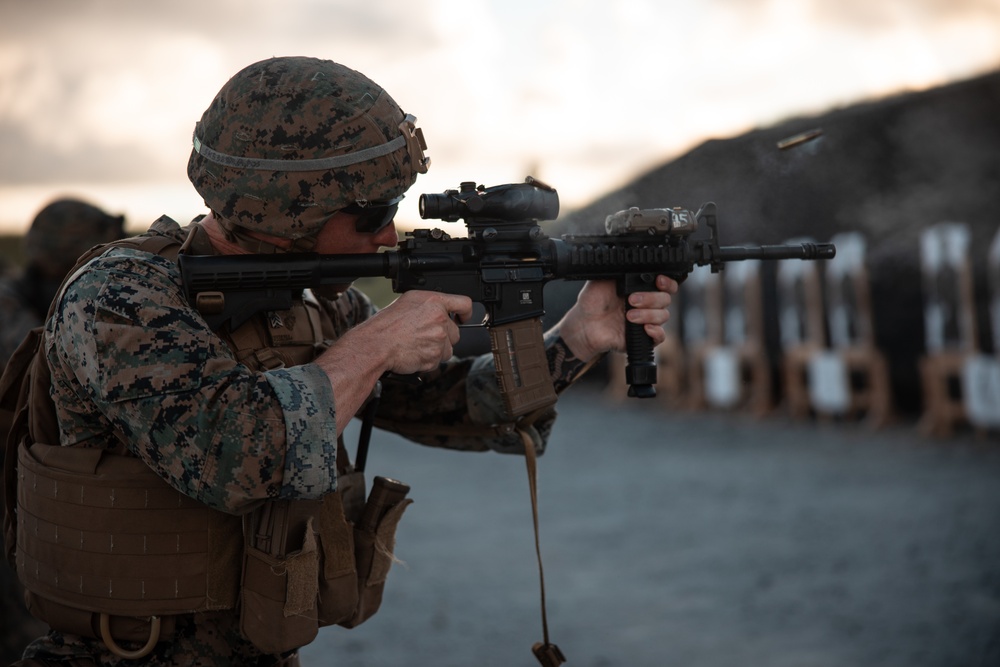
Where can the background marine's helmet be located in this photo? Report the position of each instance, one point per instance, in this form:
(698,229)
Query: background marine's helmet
(287,142)
(64,230)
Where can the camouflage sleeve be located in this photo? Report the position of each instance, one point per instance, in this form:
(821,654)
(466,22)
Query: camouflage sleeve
(465,393)
(131,360)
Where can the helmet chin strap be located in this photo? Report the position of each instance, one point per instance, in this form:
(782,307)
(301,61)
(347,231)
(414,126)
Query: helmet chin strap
(253,244)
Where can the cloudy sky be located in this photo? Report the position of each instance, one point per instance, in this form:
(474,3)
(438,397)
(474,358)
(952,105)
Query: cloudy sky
(98,98)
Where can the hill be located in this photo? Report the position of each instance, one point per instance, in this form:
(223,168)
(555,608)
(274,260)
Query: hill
(888,168)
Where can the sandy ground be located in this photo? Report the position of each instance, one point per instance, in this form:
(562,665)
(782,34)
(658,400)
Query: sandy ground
(695,539)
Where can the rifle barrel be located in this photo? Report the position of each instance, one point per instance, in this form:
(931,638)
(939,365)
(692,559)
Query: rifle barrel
(792,251)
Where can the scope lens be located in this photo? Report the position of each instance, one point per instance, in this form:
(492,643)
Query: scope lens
(438,207)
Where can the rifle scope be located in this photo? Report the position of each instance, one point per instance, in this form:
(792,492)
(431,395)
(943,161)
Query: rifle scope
(514,202)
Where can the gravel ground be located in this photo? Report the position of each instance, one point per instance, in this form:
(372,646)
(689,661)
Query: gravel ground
(695,539)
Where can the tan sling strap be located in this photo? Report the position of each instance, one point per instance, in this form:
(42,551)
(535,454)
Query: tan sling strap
(547,653)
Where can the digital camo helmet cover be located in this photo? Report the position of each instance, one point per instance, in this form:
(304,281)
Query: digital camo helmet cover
(289,141)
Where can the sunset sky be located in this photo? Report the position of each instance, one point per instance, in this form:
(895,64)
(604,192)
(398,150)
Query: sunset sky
(98,98)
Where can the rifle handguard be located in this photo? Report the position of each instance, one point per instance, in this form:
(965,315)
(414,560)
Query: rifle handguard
(522,367)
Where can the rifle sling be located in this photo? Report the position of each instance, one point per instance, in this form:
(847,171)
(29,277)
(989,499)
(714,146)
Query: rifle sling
(548,654)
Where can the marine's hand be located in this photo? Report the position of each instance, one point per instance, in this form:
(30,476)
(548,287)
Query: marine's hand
(414,333)
(418,329)
(596,323)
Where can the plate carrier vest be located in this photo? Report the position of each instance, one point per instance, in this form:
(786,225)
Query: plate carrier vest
(105,548)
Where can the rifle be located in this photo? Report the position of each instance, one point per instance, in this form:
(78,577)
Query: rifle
(503,264)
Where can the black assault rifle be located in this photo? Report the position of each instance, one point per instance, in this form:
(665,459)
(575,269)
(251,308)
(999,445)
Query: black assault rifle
(503,264)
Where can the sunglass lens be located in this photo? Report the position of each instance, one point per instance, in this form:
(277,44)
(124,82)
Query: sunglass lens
(373,219)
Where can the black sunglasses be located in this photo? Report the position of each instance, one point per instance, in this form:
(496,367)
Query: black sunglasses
(373,216)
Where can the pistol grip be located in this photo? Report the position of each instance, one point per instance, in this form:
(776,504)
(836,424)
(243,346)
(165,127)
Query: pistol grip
(522,367)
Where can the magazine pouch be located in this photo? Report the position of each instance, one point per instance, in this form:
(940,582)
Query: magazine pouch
(280,575)
(338,583)
(374,542)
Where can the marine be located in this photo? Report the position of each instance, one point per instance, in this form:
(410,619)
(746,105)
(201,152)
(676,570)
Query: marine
(59,233)
(216,516)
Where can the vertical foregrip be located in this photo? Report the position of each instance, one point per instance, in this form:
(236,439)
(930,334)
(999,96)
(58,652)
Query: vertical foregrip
(634,265)
(640,373)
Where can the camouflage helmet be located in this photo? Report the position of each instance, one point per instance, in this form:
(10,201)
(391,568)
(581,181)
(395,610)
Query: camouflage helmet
(289,141)
(64,230)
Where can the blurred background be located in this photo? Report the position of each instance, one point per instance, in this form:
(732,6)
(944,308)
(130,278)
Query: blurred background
(98,98)
(841,505)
